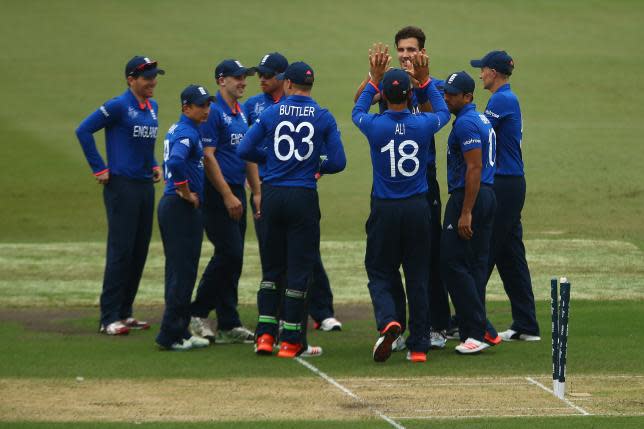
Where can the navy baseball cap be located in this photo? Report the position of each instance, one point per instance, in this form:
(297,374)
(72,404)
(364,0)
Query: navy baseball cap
(142,66)
(459,82)
(232,68)
(300,73)
(497,60)
(272,64)
(195,94)
(396,85)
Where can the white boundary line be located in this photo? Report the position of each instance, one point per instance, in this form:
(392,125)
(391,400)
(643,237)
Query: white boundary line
(348,392)
(568,402)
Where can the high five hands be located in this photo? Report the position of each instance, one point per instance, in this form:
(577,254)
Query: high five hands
(379,60)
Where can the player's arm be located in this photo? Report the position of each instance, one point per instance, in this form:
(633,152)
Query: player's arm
(249,147)
(176,165)
(362,86)
(379,61)
(471,145)
(252,175)
(441,111)
(157,174)
(213,170)
(335,160)
(105,115)
(495,110)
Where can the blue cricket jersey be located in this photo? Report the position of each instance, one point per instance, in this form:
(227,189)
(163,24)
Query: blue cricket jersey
(399,143)
(223,130)
(419,97)
(183,157)
(504,113)
(130,133)
(253,107)
(470,130)
(299,130)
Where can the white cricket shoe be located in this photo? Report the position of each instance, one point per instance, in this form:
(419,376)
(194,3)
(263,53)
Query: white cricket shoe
(201,327)
(330,324)
(115,328)
(399,344)
(311,351)
(198,342)
(471,346)
(511,335)
(437,339)
(237,335)
(180,346)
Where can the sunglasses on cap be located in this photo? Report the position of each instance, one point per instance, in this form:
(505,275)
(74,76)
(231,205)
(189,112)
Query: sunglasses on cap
(267,75)
(143,67)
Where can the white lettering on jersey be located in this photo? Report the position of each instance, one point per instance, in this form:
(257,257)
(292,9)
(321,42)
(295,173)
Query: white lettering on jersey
(144,131)
(104,111)
(400,129)
(492,114)
(288,110)
(470,141)
(484,119)
(235,138)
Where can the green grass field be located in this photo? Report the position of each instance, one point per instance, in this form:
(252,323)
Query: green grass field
(577,75)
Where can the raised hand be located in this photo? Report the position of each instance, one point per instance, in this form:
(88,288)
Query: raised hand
(420,70)
(379,61)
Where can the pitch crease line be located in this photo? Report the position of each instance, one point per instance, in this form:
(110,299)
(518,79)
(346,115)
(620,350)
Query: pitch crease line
(348,392)
(567,401)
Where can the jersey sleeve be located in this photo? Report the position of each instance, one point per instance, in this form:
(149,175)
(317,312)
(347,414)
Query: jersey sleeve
(104,116)
(468,136)
(176,163)
(249,111)
(210,129)
(360,114)
(249,148)
(497,108)
(336,159)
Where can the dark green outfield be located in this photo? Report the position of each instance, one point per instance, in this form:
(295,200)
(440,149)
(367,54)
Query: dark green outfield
(528,422)
(578,70)
(595,330)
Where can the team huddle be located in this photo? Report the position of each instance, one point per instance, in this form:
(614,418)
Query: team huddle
(279,144)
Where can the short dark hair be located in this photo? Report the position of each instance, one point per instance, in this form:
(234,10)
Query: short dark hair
(302,87)
(409,32)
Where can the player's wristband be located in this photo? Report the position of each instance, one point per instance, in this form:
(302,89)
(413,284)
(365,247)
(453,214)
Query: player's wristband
(424,85)
(101,172)
(374,85)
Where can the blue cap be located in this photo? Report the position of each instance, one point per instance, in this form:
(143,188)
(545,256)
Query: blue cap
(195,94)
(272,64)
(300,73)
(396,85)
(459,82)
(232,68)
(497,60)
(142,66)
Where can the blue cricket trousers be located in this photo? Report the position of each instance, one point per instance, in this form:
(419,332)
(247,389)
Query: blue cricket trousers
(290,249)
(182,233)
(438,298)
(218,288)
(129,204)
(320,294)
(464,263)
(398,234)
(507,252)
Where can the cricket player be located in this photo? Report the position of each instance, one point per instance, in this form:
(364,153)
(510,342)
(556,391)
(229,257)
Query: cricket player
(410,41)
(180,219)
(224,208)
(131,123)
(469,214)
(300,130)
(398,228)
(507,251)
(321,299)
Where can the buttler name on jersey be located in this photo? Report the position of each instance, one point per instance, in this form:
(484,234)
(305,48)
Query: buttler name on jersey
(289,110)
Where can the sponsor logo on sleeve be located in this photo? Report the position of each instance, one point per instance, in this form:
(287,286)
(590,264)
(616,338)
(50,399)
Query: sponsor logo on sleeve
(104,111)
(185,142)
